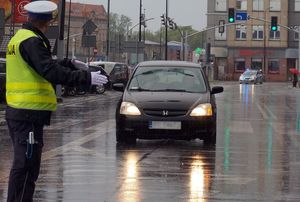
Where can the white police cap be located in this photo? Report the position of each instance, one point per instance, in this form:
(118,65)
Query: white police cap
(41,10)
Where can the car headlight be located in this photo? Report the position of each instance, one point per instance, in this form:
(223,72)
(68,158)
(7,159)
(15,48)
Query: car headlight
(202,110)
(128,108)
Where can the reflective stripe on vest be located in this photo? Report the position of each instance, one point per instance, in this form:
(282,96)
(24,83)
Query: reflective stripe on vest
(25,88)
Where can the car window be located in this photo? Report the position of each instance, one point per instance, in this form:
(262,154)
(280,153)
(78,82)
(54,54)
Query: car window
(249,73)
(168,79)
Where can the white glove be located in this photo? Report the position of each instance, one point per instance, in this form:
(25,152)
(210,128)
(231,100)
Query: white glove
(80,65)
(98,79)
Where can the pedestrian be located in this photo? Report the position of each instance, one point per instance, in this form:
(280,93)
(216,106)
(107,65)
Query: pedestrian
(31,72)
(295,80)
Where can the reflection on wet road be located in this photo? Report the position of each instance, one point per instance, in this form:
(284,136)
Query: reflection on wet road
(257,156)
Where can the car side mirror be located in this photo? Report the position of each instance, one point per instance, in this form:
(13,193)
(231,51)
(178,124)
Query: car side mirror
(217,89)
(118,87)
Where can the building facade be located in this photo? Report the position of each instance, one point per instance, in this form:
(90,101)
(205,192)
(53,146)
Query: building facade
(250,42)
(80,14)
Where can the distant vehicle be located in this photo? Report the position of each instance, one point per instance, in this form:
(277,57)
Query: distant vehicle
(81,90)
(118,72)
(2,79)
(167,99)
(252,76)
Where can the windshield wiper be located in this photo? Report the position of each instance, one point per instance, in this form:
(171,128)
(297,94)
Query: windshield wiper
(172,90)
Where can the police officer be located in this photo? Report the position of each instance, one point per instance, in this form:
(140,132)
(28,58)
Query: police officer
(31,71)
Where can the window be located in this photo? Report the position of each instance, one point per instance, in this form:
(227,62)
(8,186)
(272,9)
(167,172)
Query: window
(275,5)
(220,36)
(273,66)
(258,32)
(241,4)
(275,35)
(240,32)
(256,64)
(239,65)
(221,5)
(297,5)
(258,5)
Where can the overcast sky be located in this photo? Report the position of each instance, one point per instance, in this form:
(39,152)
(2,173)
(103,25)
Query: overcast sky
(184,12)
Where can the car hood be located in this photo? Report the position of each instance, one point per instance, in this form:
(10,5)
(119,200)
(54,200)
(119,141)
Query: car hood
(166,100)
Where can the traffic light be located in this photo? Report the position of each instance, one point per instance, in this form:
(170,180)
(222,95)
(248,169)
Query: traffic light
(163,20)
(231,15)
(274,23)
(178,54)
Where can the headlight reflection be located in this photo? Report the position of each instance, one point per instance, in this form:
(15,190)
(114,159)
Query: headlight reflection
(197,181)
(130,189)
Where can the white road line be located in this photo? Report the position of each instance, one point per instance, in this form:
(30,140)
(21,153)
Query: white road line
(69,146)
(263,112)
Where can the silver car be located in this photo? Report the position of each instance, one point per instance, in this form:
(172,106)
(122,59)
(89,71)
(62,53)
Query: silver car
(252,76)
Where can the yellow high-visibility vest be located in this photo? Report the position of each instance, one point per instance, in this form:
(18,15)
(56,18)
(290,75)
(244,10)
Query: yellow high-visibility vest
(25,88)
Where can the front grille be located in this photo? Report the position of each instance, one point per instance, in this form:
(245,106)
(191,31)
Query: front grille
(165,112)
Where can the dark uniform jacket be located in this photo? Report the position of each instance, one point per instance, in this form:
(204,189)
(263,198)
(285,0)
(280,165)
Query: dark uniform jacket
(38,56)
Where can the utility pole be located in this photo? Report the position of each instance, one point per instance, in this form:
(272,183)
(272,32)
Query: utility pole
(166,32)
(140,24)
(107,32)
(60,42)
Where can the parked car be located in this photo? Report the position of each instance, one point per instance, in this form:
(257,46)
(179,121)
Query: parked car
(2,79)
(252,76)
(99,89)
(118,72)
(167,99)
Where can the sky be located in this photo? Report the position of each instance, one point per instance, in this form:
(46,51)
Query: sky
(183,12)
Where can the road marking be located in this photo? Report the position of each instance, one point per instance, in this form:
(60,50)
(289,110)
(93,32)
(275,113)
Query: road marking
(271,113)
(265,115)
(74,144)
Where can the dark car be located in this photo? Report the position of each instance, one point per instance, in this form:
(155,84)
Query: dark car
(2,79)
(118,72)
(252,76)
(167,99)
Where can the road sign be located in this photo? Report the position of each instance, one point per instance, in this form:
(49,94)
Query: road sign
(241,16)
(89,27)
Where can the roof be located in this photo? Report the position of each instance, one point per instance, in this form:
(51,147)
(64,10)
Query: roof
(86,10)
(169,63)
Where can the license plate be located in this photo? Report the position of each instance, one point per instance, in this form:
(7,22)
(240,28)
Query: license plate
(172,125)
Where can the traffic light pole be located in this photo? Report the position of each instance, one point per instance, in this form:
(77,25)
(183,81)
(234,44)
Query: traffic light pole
(286,27)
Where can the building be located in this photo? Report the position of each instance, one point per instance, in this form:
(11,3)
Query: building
(80,15)
(251,43)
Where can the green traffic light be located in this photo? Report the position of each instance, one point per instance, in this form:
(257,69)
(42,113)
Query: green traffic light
(274,28)
(231,20)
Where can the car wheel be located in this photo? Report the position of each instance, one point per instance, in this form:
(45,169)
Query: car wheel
(72,91)
(100,89)
(211,137)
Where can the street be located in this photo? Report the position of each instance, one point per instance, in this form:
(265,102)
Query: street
(256,158)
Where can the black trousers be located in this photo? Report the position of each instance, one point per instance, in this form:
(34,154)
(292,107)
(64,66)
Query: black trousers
(26,163)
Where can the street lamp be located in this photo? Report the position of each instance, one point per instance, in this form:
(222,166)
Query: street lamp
(128,30)
(107,33)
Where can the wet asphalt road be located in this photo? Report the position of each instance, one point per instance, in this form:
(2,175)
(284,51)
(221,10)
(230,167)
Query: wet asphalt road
(256,158)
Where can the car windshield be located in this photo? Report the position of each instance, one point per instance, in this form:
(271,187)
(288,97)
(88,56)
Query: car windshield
(174,79)
(249,73)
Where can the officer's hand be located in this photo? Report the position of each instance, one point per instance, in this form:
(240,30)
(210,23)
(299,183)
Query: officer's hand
(80,65)
(98,79)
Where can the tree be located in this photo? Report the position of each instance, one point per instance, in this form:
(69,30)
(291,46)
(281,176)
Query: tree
(118,24)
